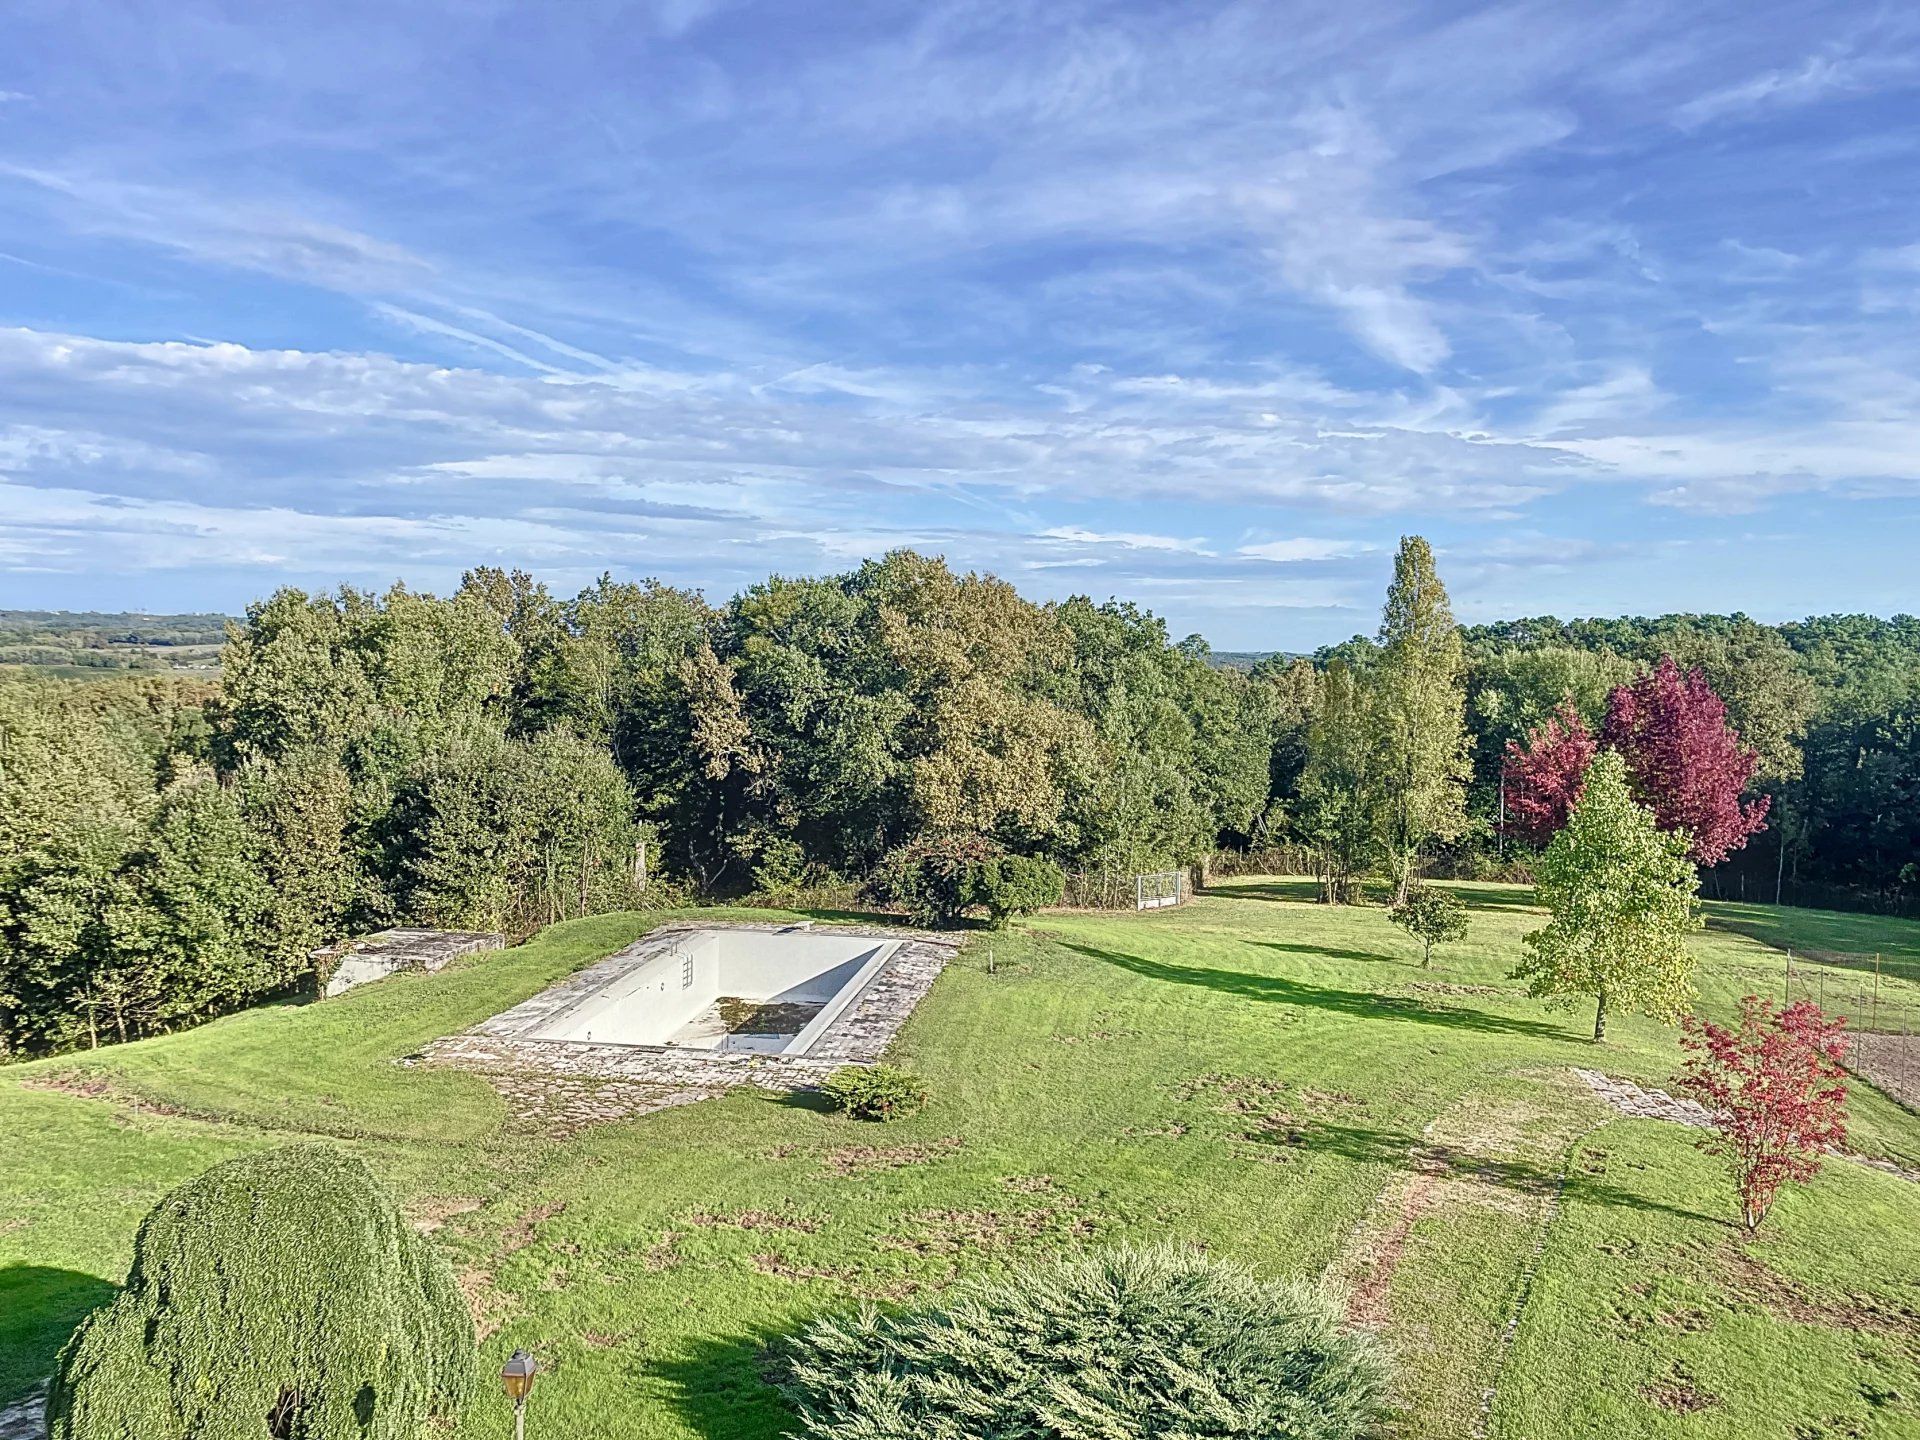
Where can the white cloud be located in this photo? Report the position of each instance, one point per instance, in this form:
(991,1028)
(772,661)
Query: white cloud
(1304,548)
(1126,540)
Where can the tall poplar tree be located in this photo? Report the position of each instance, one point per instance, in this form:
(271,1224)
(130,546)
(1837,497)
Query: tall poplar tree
(1420,711)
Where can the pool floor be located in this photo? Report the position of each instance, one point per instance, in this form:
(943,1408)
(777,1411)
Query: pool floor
(734,1024)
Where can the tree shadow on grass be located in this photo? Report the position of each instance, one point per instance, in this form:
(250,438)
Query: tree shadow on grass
(1495,896)
(1295,892)
(1402,1149)
(1362,1004)
(40,1306)
(1330,952)
(725,1387)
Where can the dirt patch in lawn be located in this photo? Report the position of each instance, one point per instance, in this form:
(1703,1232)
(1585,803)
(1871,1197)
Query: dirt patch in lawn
(1498,1152)
(524,1230)
(664,1253)
(486,1302)
(433,1213)
(85,1086)
(1374,1260)
(953,1232)
(1277,1119)
(1447,987)
(1679,1393)
(1029,1184)
(1750,1280)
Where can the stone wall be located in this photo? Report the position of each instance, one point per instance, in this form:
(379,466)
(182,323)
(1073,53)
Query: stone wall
(338,968)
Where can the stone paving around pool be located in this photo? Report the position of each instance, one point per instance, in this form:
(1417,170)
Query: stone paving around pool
(571,1083)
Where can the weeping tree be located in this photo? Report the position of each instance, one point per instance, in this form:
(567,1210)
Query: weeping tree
(279,1296)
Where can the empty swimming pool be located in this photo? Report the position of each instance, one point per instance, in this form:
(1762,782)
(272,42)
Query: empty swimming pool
(768,992)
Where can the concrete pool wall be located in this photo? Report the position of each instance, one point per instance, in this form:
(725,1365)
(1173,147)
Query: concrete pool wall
(671,999)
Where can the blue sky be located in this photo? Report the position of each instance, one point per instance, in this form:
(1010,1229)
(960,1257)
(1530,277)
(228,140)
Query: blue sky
(1198,304)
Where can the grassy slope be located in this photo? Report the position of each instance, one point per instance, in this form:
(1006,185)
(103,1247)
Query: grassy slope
(1249,1072)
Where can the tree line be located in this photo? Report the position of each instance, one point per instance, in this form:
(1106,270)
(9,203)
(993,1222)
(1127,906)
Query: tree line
(503,757)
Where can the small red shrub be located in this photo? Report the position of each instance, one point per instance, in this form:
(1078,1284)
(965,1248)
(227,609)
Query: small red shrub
(1774,1086)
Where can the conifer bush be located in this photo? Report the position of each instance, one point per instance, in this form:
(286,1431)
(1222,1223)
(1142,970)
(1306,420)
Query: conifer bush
(279,1296)
(875,1092)
(1163,1343)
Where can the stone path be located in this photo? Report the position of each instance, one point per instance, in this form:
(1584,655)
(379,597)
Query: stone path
(1630,1099)
(25,1418)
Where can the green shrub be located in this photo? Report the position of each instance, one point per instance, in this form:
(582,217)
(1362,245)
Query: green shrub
(878,1092)
(1163,1343)
(1016,885)
(934,878)
(278,1295)
(937,879)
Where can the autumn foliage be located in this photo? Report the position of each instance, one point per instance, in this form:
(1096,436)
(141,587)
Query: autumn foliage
(1684,760)
(1774,1087)
(1544,775)
(1688,765)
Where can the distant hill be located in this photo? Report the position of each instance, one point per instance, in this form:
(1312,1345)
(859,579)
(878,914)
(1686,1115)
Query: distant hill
(83,643)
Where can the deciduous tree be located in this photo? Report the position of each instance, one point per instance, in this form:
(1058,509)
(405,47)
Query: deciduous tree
(1432,915)
(1341,805)
(1775,1088)
(1685,761)
(1419,709)
(1544,775)
(1621,894)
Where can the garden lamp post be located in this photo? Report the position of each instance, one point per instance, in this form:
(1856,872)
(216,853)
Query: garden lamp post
(517,1378)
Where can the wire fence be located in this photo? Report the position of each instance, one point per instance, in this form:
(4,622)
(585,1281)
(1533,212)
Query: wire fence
(1882,1012)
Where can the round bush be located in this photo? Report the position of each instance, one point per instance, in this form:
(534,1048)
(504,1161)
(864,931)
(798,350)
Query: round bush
(1016,885)
(1162,1343)
(879,1092)
(280,1296)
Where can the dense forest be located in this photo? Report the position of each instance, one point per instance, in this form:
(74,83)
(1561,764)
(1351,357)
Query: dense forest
(503,757)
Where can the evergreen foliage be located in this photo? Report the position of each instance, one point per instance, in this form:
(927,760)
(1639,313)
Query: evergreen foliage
(1621,892)
(1136,1343)
(936,879)
(875,1092)
(1010,885)
(279,1296)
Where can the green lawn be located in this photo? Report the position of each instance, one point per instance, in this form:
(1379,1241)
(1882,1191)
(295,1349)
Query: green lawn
(1272,1079)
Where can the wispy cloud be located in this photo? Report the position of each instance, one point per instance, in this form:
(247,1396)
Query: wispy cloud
(1304,548)
(1817,78)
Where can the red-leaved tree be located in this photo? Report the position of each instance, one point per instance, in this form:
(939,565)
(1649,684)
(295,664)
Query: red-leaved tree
(1686,763)
(1544,775)
(1774,1088)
